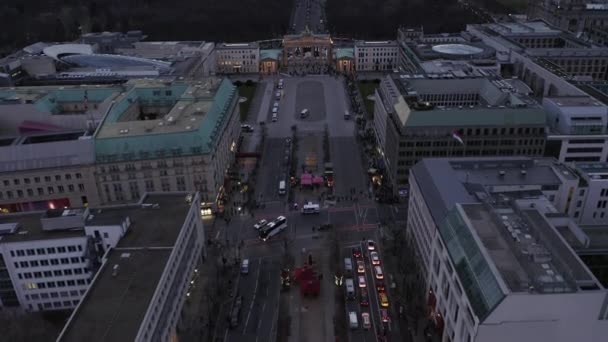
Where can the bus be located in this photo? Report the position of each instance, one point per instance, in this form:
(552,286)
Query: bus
(273,228)
(310,208)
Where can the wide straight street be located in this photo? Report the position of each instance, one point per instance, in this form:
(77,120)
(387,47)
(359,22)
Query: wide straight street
(351,215)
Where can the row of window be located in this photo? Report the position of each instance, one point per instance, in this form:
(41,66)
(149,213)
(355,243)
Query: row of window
(56,305)
(134,192)
(54,273)
(45,251)
(47,295)
(47,179)
(60,283)
(46,262)
(50,190)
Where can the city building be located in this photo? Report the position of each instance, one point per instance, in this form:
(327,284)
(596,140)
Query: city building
(270,61)
(238,58)
(419,52)
(543,56)
(188,59)
(379,56)
(47,151)
(493,255)
(576,129)
(576,16)
(109,42)
(417,117)
(168,137)
(139,291)
(590,199)
(307,52)
(345,59)
(48,259)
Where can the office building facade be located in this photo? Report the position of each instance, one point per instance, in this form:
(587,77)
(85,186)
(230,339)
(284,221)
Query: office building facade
(417,117)
(496,268)
(238,58)
(381,56)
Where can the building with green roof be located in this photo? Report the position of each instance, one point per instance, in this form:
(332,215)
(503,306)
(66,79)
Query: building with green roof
(418,117)
(166,137)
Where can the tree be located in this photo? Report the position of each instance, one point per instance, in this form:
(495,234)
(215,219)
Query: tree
(31,327)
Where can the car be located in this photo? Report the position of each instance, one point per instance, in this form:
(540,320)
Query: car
(378,272)
(362,281)
(371,245)
(247,128)
(364,298)
(276,104)
(384,316)
(260,224)
(375,258)
(304,113)
(383,299)
(245,266)
(367,322)
(357,252)
(278,95)
(360,266)
(380,286)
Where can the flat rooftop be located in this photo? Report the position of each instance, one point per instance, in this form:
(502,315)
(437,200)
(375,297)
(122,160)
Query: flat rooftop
(574,101)
(153,118)
(29,228)
(150,227)
(115,304)
(526,250)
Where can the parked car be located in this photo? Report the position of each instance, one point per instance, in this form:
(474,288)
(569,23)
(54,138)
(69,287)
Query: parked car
(384,316)
(366,321)
(362,282)
(371,245)
(260,224)
(375,258)
(383,299)
(247,128)
(364,298)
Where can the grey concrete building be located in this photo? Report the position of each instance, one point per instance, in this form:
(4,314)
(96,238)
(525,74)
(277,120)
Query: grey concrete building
(494,255)
(417,117)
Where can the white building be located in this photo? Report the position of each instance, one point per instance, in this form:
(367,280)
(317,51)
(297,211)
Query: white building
(238,58)
(141,287)
(376,55)
(577,128)
(589,205)
(496,267)
(48,257)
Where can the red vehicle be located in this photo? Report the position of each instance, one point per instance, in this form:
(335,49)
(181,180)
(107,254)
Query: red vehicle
(364,298)
(357,252)
(380,286)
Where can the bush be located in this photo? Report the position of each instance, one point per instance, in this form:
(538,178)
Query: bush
(238,83)
(249,83)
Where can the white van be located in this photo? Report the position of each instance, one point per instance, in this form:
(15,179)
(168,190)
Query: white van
(282,188)
(352,319)
(245,266)
(350,288)
(346,115)
(310,208)
(348,265)
(274,117)
(304,113)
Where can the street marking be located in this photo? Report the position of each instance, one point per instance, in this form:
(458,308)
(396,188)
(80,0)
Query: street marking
(257,280)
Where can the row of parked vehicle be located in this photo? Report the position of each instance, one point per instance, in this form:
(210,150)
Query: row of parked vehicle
(357,270)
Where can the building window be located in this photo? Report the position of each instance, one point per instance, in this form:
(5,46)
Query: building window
(81,187)
(47,178)
(30,192)
(134,190)
(40,191)
(78,176)
(149,185)
(71,187)
(50,190)
(57,178)
(36,179)
(61,249)
(68,176)
(60,189)
(181,184)
(164,184)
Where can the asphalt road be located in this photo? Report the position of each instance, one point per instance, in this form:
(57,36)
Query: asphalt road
(308,13)
(260,290)
(354,219)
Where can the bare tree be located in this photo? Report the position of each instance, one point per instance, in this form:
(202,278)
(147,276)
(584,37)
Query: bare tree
(31,327)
